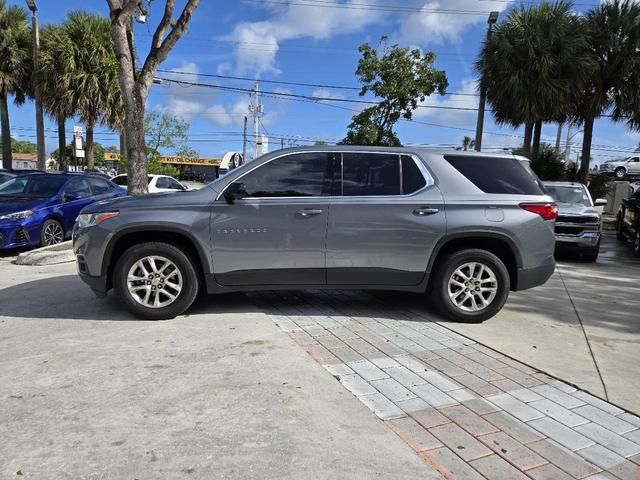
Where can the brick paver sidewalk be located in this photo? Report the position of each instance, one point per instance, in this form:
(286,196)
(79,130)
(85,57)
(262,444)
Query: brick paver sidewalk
(467,410)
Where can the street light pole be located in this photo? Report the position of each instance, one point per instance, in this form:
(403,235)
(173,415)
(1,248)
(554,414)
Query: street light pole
(42,165)
(493,18)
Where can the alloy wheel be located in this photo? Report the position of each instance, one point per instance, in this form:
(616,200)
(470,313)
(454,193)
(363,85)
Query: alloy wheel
(53,234)
(472,287)
(154,282)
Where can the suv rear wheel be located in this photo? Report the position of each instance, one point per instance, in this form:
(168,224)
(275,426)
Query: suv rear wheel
(620,172)
(470,286)
(156,281)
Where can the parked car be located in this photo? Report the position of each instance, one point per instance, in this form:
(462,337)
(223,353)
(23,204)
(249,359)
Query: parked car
(466,227)
(20,171)
(41,209)
(634,187)
(628,222)
(157,183)
(4,176)
(578,227)
(622,168)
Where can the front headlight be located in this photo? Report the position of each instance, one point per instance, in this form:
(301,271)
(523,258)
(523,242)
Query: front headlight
(85,220)
(17,215)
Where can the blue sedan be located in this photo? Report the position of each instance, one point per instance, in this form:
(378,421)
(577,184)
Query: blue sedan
(41,209)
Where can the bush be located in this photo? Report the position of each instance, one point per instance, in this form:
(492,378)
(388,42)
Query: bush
(599,186)
(549,165)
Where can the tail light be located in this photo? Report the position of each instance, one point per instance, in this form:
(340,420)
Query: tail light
(548,211)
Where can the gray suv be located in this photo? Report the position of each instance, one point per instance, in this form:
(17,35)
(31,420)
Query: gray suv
(464,227)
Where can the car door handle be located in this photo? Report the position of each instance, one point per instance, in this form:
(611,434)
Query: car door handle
(308,212)
(425,211)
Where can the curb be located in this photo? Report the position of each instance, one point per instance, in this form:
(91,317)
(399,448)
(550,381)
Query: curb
(52,255)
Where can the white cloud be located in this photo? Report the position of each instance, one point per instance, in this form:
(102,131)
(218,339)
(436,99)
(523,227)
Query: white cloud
(219,115)
(432,26)
(326,93)
(261,40)
(183,101)
(455,117)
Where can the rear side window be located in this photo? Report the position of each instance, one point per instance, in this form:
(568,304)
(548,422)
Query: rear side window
(99,186)
(122,181)
(412,178)
(365,174)
(497,174)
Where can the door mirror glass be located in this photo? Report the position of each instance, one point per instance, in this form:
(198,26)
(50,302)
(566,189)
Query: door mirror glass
(600,202)
(234,192)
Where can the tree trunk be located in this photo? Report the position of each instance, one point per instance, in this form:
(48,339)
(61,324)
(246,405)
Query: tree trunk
(537,132)
(89,148)
(528,132)
(6,132)
(136,149)
(583,172)
(62,144)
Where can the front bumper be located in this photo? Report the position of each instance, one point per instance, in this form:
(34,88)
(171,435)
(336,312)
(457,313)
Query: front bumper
(585,240)
(17,234)
(532,277)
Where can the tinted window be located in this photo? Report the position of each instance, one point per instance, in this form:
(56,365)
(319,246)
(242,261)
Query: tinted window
(120,180)
(370,174)
(298,175)
(99,186)
(162,182)
(412,178)
(79,187)
(497,174)
(569,194)
(33,186)
(173,183)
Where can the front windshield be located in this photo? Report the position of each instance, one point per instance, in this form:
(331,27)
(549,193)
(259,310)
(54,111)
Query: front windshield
(569,194)
(32,186)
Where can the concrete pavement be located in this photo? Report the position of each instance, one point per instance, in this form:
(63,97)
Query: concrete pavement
(89,393)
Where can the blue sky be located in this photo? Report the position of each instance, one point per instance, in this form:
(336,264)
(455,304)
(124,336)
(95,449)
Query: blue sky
(311,41)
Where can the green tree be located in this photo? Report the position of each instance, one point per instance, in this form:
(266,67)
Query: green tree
(467,143)
(56,61)
(15,47)
(400,77)
(613,85)
(164,131)
(135,83)
(98,151)
(22,146)
(92,80)
(532,66)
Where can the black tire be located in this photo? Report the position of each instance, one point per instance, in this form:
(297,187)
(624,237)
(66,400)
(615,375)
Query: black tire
(620,172)
(591,255)
(183,262)
(619,233)
(51,233)
(636,242)
(439,285)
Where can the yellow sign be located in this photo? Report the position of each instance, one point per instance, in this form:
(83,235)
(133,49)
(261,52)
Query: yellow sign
(209,162)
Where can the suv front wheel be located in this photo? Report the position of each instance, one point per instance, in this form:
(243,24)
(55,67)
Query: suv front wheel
(156,281)
(470,286)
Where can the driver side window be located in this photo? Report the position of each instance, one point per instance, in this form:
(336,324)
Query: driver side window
(80,188)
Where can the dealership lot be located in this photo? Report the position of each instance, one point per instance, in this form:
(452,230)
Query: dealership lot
(225,391)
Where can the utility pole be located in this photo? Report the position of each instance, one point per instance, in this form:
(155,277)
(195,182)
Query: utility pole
(244,141)
(256,109)
(558,135)
(42,161)
(493,18)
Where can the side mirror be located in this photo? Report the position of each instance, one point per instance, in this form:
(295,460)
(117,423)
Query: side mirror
(600,202)
(70,197)
(234,192)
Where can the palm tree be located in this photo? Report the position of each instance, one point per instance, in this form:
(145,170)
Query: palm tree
(467,143)
(56,59)
(92,79)
(614,83)
(532,65)
(15,45)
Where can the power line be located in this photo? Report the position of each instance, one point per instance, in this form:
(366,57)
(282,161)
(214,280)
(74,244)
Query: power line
(283,82)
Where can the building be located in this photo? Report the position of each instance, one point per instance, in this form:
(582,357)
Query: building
(23,161)
(196,168)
